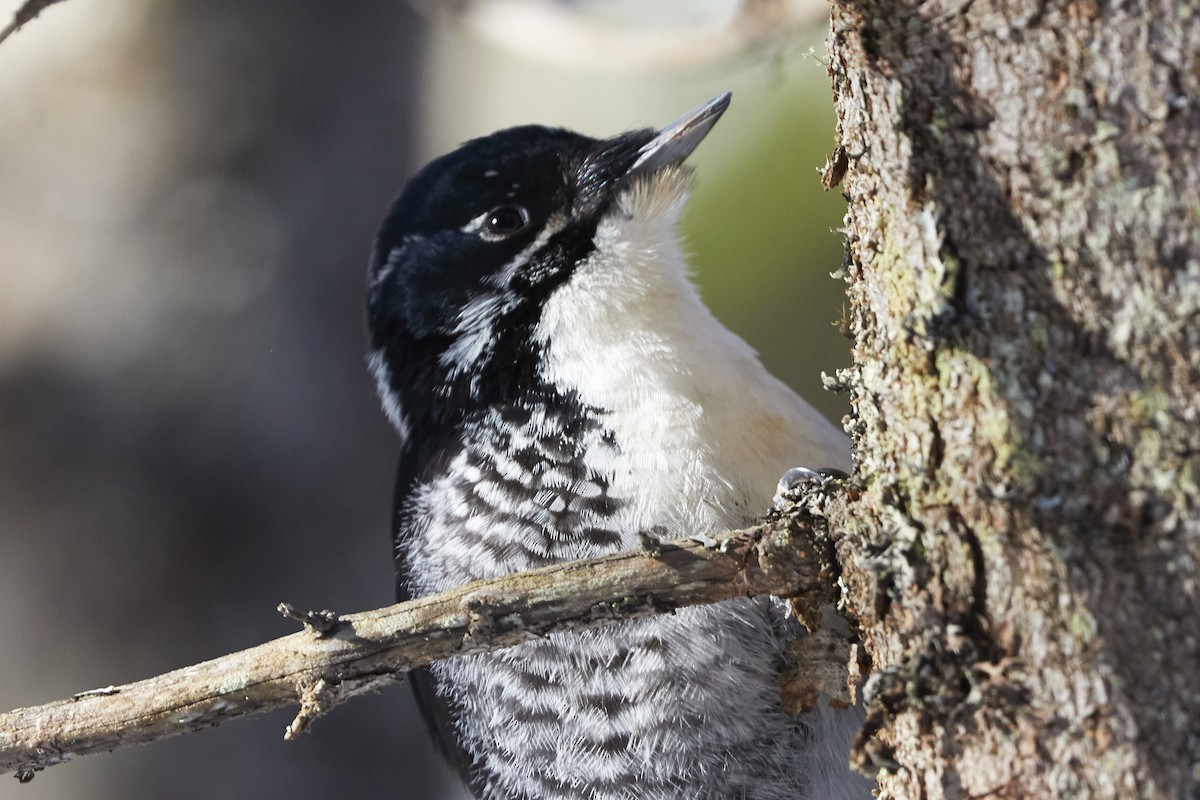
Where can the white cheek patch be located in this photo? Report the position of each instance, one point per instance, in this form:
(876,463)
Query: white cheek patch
(475,329)
(389,266)
(475,333)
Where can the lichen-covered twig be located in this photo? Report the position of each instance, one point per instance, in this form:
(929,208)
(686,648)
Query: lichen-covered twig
(355,653)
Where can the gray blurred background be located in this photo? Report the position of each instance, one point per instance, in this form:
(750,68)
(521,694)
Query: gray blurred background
(188,193)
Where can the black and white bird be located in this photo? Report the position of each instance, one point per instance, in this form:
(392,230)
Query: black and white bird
(558,387)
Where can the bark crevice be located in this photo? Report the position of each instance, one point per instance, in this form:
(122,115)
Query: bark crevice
(1019,253)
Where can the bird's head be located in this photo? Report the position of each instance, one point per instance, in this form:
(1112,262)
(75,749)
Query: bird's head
(482,237)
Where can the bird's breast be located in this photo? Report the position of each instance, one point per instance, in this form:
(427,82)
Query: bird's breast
(524,484)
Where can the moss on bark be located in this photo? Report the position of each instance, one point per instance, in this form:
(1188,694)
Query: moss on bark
(1024,270)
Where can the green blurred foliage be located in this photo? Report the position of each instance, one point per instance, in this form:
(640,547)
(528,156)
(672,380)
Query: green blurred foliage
(761,233)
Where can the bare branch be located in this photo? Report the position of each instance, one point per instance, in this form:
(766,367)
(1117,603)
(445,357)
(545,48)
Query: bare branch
(26,13)
(337,657)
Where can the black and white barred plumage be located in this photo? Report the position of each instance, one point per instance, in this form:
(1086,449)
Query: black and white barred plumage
(558,387)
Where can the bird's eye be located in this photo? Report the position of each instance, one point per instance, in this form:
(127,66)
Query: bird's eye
(503,221)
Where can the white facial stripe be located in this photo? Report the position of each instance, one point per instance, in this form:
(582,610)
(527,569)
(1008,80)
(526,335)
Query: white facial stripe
(389,266)
(474,330)
(387,395)
(476,225)
(504,277)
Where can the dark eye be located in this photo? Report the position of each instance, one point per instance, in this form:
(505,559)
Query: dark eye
(503,221)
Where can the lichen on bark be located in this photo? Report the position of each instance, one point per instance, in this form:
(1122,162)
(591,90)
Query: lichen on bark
(1024,272)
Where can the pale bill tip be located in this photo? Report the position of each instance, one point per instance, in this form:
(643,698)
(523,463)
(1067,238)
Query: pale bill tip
(676,141)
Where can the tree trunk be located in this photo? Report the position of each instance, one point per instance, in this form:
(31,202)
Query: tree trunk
(1024,270)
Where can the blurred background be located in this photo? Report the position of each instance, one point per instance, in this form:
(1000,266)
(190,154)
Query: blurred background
(188,193)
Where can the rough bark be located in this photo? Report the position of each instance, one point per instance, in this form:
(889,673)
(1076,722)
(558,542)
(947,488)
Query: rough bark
(1024,273)
(339,657)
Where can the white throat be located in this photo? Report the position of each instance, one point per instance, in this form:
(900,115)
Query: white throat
(629,333)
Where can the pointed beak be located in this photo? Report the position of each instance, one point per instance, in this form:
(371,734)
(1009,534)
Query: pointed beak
(676,142)
(609,166)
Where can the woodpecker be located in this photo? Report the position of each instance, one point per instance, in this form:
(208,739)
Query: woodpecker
(558,387)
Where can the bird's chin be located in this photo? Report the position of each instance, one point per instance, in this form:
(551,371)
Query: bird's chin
(657,196)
